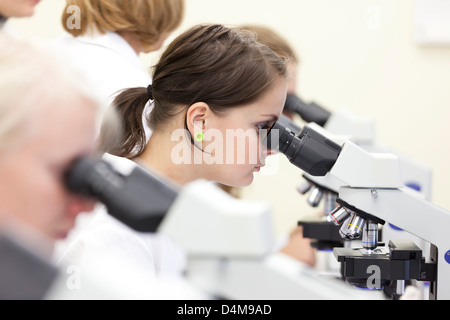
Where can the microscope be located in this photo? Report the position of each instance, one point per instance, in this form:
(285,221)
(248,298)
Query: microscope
(343,125)
(371,193)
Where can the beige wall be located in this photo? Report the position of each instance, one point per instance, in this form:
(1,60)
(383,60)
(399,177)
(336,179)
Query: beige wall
(349,60)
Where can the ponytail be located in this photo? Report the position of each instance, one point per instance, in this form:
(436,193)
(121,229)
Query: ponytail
(130,105)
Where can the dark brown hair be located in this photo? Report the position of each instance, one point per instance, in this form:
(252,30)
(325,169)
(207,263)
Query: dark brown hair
(221,66)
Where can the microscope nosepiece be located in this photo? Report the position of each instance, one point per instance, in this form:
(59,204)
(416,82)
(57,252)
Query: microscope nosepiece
(304,187)
(370,235)
(339,215)
(329,202)
(354,228)
(315,197)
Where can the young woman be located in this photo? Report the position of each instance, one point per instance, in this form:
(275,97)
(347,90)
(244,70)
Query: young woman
(215,89)
(214,92)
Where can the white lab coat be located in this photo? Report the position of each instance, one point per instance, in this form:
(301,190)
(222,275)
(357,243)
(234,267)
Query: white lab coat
(109,63)
(7,29)
(133,259)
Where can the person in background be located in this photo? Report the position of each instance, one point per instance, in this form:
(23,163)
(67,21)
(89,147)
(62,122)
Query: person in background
(16,9)
(281,47)
(105,45)
(107,37)
(296,246)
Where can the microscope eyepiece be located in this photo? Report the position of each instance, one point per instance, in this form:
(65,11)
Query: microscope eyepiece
(309,112)
(309,150)
(138,199)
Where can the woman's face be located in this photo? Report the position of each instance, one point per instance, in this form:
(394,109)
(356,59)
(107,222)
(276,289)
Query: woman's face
(32,190)
(17,8)
(242,128)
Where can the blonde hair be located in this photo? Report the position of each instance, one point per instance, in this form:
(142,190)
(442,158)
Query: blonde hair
(34,76)
(149,19)
(273,40)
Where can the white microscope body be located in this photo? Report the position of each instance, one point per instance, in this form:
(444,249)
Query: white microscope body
(342,125)
(232,253)
(373,184)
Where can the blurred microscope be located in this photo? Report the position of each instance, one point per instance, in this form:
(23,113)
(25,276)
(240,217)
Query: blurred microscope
(371,192)
(342,125)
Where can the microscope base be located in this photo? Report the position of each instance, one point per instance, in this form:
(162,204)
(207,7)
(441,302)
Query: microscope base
(276,277)
(380,267)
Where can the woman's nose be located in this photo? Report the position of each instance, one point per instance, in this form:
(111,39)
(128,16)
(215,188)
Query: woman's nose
(267,151)
(270,152)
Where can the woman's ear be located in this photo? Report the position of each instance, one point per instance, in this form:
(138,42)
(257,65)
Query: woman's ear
(196,117)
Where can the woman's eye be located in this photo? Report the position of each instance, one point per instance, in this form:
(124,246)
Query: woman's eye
(264,126)
(58,169)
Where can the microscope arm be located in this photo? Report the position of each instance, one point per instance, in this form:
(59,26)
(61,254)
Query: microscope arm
(355,167)
(318,153)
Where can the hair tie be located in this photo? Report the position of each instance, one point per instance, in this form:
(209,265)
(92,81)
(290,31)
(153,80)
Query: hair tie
(150,92)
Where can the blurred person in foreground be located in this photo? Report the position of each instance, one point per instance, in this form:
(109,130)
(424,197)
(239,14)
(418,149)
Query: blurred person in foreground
(15,9)
(47,120)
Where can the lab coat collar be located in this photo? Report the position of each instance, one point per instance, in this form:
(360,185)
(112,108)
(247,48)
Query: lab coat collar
(6,28)
(112,41)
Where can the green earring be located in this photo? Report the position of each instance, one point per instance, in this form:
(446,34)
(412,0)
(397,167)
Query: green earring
(199,136)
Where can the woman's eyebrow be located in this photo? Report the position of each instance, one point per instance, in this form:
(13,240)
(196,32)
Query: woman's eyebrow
(271,116)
